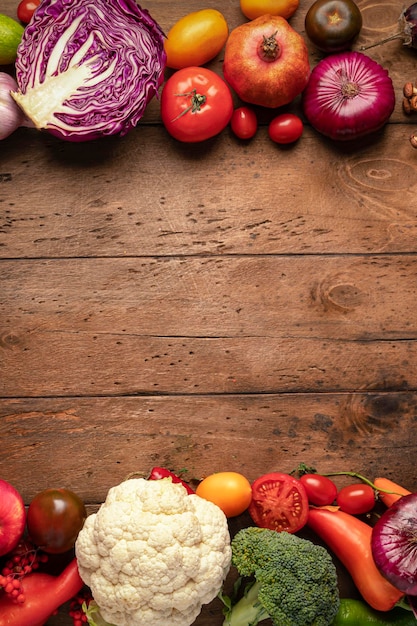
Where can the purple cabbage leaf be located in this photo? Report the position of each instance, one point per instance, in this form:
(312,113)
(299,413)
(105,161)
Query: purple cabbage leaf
(88,68)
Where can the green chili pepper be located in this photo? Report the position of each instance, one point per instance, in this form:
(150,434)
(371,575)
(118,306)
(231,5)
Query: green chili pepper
(358,613)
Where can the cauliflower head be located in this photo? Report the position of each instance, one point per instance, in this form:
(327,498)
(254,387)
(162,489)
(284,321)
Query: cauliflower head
(153,554)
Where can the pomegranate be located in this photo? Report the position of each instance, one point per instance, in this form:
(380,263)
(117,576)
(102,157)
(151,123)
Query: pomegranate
(266,62)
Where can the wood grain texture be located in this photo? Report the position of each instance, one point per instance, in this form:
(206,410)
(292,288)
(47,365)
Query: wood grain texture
(372,430)
(225,305)
(117,197)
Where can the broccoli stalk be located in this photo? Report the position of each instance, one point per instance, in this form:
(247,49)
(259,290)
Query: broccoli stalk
(248,610)
(292,581)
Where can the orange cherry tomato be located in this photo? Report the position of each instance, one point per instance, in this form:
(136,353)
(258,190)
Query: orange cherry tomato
(231,492)
(196,39)
(255,8)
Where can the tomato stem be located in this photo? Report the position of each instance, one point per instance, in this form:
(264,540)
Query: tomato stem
(362,478)
(305,469)
(197,101)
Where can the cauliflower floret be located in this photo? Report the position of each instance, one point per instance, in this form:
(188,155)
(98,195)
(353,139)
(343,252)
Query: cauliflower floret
(153,554)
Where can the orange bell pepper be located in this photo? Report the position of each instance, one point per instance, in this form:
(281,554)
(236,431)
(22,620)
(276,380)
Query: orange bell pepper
(388,491)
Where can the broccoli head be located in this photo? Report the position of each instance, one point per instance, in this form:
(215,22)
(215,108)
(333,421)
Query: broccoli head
(292,581)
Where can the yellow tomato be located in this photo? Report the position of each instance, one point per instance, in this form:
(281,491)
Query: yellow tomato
(196,39)
(255,8)
(231,492)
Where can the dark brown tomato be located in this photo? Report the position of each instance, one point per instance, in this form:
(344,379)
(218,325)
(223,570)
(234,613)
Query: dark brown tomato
(54,519)
(333,25)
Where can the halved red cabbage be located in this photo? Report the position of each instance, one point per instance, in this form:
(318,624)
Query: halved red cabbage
(88,68)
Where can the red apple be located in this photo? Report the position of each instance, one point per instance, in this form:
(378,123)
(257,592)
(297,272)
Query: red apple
(12,517)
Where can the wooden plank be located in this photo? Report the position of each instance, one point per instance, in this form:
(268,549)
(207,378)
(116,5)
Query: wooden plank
(117,198)
(75,363)
(199,325)
(340,296)
(97,442)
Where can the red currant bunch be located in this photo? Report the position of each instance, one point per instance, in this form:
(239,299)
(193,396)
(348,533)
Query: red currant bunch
(76,612)
(24,559)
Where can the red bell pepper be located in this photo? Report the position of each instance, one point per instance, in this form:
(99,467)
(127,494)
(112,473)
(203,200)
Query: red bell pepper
(44,594)
(349,538)
(160,472)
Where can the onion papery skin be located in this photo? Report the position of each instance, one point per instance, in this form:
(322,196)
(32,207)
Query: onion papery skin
(348,95)
(88,68)
(394,544)
(11,116)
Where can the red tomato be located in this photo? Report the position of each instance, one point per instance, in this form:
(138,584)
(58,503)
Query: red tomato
(279,502)
(54,519)
(321,491)
(356,499)
(244,122)
(26,9)
(196,104)
(285,128)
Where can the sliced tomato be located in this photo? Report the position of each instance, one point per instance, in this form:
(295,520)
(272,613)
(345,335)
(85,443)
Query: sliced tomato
(279,502)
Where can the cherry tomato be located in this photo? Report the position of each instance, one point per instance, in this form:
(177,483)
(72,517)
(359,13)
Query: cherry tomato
(321,491)
(332,25)
(231,492)
(255,8)
(196,104)
(26,9)
(196,38)
(356,499)
(244,122)
(279,502)
(54,519)
(285,128)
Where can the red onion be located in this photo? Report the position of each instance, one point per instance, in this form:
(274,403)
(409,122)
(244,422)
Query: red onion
(11,116)
(394,544)
(348,95)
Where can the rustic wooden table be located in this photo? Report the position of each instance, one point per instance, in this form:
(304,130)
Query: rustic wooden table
(219,306)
